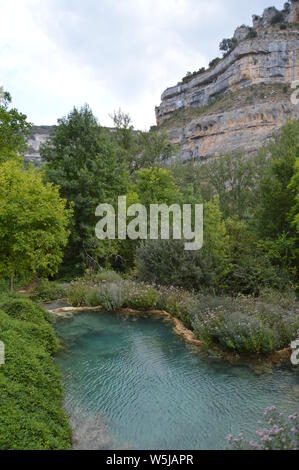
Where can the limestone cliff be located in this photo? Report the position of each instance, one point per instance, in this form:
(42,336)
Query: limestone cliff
(39,135)
(242,100)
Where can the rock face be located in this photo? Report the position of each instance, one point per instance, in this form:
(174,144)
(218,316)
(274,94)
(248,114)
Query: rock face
(39,135)
(245,98)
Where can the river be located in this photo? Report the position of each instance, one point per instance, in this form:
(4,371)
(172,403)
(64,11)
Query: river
(131,383)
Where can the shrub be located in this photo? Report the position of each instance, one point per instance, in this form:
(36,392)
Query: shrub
(110,296)
(246,325)
(251,34)
(228,45)
(237,332)
(76,293)
(47,291)
(214,62)
(139,296)
(166,262)
(178,303)
(31,414)
(279,433)
(23,309)
(91,298)
(108,276)
(277,18)
(250,269)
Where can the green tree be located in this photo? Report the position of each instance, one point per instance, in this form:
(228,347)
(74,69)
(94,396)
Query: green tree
(154,149)
(276,197)
(139,149)
(234,178)
(215,249)
(126,139)
(228,45)
(294,187)
(277,200)
(14,129)
(166,262)
(187,178)
(156,186)
(83,161)
(250,268)
(33,223)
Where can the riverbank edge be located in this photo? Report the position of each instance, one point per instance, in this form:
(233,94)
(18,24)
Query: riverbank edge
(178,326)
(278,357)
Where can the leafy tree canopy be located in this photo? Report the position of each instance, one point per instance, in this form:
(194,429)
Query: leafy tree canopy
(276,197)
(14,129)
(228,45)
(136,148)
(33,222)
(82,159)
(156,186)
(294,187)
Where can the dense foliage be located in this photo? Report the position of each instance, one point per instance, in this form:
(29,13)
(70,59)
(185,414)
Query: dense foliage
(14,129)
(251,205)
(31,415)
(33,223)
(84,163)
(248,325)
(257,326)
(166,262)
(236,293)
(228,45)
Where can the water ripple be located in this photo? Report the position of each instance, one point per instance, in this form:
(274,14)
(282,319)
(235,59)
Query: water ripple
(134,384)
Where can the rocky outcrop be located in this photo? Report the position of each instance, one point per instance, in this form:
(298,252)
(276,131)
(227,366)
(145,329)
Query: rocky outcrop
(39,135)
(260,70)
(246,128)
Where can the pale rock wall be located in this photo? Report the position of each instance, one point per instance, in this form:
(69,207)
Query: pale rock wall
(218,134)
(269,60)
(39,135)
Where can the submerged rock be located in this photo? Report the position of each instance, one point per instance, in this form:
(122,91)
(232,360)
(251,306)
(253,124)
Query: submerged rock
(89,431)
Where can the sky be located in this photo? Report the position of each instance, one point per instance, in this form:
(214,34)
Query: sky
(111,54)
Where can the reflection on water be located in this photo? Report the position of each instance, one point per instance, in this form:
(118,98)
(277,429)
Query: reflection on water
(135,385)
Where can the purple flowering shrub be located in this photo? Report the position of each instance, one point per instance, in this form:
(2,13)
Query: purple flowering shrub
(248,325)
(279,433)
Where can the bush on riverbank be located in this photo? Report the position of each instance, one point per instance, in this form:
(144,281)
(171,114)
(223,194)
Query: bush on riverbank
(31,414)
(243,324)
(46,291)
(280,433)
(135,295)
(247,324)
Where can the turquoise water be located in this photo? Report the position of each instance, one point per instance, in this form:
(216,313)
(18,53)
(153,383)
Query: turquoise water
(132,384)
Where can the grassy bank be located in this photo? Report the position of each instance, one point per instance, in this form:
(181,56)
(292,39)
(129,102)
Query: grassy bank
(243,325)
(31,413)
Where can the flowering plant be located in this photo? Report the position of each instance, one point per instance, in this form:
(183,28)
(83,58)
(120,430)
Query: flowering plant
(279,433)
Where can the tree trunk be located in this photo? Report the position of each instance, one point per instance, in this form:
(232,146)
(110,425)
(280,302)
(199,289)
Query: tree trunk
(12,283)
